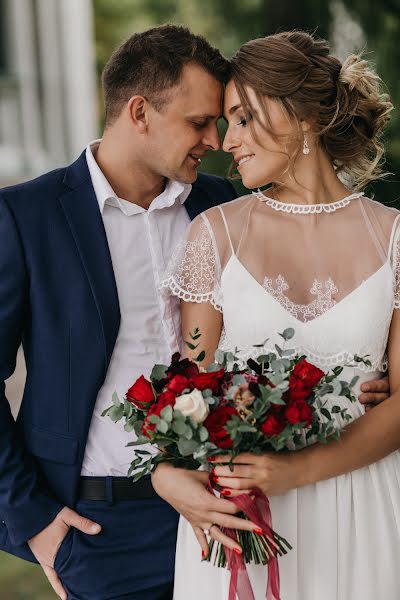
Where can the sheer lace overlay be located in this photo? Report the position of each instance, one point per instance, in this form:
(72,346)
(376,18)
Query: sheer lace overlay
(194,270)
(332,275)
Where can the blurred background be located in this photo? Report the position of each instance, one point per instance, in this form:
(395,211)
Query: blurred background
(51,56)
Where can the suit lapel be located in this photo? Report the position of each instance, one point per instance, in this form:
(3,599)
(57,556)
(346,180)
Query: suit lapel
(84,218)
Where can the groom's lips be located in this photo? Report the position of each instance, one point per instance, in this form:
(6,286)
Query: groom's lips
(195,159)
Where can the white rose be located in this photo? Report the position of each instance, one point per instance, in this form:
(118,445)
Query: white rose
(193,405)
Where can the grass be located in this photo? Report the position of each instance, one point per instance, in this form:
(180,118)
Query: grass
(21,580)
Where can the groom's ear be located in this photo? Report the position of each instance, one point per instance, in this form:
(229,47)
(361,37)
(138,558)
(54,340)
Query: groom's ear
(138,108)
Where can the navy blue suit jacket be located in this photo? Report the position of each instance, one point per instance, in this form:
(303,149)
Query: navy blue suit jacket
(58,297)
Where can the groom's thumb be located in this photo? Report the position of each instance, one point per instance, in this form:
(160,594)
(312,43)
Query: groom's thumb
(73,519)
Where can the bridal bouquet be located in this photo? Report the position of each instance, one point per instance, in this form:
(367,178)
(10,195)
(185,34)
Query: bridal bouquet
(276,402)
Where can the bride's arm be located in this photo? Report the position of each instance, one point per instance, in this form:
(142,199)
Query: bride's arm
(209,321)
(365,441)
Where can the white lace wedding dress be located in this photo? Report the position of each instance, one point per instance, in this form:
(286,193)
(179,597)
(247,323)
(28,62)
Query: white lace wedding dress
(331,272)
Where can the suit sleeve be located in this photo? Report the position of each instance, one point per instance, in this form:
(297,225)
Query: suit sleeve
(24,507)
(231,190)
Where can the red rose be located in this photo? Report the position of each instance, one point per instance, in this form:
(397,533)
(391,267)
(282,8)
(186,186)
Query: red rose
(308,373)
(177,384)
(211,381)
(303,380)
(272,425)
(215,425)
(165,399)
(298,391)
(184,367)
(141,394)
(298,412)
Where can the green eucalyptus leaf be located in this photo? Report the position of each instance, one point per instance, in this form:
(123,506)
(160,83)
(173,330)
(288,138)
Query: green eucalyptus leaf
(203,434)
(187,447)
(287,334)
(116,413)
(158,372)
(115,399)
(167,413)
(162,426)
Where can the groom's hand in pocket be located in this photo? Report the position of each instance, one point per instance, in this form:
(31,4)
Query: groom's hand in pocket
(46,544)
(187,492)
(374,392)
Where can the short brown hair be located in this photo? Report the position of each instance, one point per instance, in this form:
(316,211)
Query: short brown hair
(343,102)
(150,63)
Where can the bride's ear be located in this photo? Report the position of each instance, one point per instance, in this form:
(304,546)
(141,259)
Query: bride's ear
(306,125)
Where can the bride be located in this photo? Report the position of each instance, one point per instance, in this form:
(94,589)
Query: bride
(314,253)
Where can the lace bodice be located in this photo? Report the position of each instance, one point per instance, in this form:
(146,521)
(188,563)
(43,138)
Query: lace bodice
(332,275)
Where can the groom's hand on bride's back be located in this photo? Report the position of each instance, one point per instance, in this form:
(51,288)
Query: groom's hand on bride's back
(46,544)
(374,392)
(187,492)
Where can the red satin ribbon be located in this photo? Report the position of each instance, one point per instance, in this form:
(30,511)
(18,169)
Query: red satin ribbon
(259,512)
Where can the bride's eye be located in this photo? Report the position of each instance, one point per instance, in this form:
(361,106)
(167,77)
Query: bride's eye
(244,120)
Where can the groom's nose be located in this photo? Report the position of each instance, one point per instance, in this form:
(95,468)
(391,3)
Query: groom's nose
(211,137)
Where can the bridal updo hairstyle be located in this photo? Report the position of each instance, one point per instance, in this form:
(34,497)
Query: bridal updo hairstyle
(344,103)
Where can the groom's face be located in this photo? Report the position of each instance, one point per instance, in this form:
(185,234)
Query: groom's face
(186,128)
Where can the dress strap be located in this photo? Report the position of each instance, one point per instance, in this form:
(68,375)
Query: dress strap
(226,227)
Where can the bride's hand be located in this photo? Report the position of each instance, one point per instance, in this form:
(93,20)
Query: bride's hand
(187,492)
(272,473)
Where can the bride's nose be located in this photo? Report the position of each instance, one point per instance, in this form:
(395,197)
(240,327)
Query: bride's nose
(230,142)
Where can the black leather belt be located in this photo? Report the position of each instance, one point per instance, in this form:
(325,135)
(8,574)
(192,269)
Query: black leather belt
(115,488)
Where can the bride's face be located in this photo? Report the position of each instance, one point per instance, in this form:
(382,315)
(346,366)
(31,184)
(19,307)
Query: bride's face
(260,159)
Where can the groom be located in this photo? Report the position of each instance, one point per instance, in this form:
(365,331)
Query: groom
(83,249)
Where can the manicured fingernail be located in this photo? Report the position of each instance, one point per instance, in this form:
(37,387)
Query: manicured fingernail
(214,479)
(211,459)
(225,492)
(237,550)
(203,554)
(258,531)
(212,471)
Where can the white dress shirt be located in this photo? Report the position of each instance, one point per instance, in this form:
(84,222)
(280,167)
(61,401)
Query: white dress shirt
(141,242)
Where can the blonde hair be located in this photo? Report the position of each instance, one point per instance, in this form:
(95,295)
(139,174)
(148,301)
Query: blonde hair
(344,103)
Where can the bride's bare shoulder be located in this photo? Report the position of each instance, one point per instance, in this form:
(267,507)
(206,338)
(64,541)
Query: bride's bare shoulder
(231,209)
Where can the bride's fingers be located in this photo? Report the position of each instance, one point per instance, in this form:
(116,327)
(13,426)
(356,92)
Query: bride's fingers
(235,483)
(201,538)
(222,520)
(229,493)
(224,539)
(238,471)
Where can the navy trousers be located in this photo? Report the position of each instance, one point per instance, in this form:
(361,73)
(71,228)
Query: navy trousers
(132,558)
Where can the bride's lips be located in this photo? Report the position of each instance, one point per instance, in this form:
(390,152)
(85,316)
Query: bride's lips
(242,160)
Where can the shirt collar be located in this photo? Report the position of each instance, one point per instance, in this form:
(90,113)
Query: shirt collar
(174,190)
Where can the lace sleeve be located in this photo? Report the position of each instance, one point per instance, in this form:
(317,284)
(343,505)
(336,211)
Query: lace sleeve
(194,271)
(395,256)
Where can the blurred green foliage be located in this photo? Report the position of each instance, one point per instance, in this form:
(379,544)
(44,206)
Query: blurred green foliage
(229,23)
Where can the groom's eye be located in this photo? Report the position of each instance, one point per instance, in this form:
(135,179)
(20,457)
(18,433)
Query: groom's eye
(199,124)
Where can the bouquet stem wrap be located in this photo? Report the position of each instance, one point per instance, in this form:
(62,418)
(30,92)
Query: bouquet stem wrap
(257,509)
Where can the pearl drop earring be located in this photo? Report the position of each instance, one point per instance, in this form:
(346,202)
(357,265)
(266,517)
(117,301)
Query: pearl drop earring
(306,149)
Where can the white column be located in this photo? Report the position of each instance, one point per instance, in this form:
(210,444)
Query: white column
(79,73)
(23,46)
(53,91)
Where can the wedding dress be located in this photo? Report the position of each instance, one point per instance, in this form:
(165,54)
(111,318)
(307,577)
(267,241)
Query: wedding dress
(331,272)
